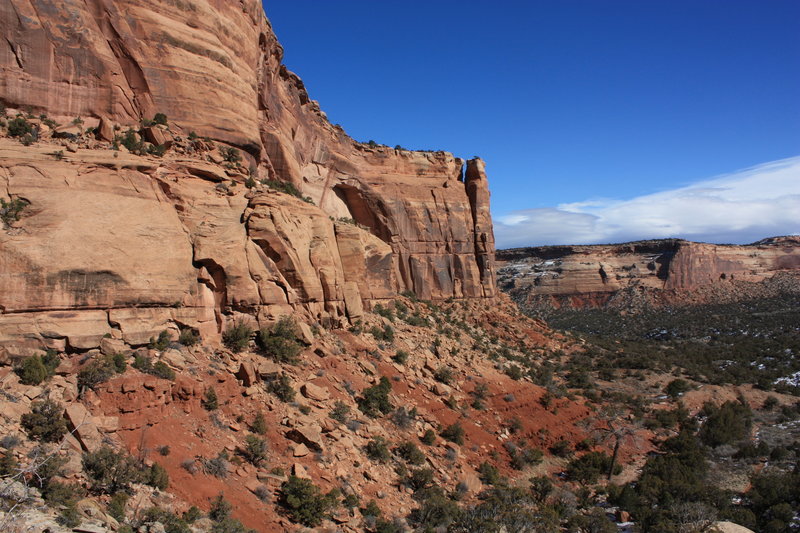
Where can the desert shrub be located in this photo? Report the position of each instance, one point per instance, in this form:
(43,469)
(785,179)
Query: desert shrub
(402,417)
(770,403)
(340,412)
(254,450)
(231,154)
(429,437)
(192,514)
(489,474)
(371,509)
(35,369)
(419,479)
(514,372)
(259,425)
(210,401)
(523,456)
(280,341)
(111,471)
(237,337)
(160,118)
(11,210)
(156,476)
(374,400)
(100,370)
(171,522)
(400,357)
(773,499)
(436,510)
(444,375)
(217,467)
(410,453)
(561,448)
(162,342)
(19,127)
(676,387)
(589,467)
(453,433)
(45,421)
(377,450)
(304,502)
(8,464)
(162,370)
(281,387)
(385,312)
(726,424)
(188,337)
(131,140)
(386,333)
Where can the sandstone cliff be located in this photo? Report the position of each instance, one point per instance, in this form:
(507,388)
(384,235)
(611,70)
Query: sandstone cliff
(663,271)
(113,243)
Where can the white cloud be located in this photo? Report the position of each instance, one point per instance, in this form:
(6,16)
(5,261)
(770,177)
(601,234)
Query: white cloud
(742,207)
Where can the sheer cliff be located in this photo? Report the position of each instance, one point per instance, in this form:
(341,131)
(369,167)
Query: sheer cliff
(126,242)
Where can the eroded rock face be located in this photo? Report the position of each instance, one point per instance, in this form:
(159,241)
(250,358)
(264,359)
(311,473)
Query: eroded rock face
(668,271)
(130,244)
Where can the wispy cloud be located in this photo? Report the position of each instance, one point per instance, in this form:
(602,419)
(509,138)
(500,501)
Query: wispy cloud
(742,207)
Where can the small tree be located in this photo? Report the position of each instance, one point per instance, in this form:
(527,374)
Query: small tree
(374,400)
(254,450)
(45,421)
(111,471)
(453,433)
(237,337)
(280,341)
(304,501)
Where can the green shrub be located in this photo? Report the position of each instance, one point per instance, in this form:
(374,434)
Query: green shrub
(10,211)
(45,421)
(429,437)
(676,387)
(726,424)
(371,509)
(453,433)
(561,448)
(400,357)
(160,118)
(386,333)
(410,453)
(8,464)
(280,341)
(210,401)
(489,474)
(377,450)
(419,479)
(589,467)
(237,337)
(304,501)
(162,342)
(35,369)
(116,507)
(100,370)
(374,400)
(444,375)
(259,425)
(231,154)
(131,140)
(163,371)
(188,337)
(171,522)
(18,127)
(254,450)
(340,412)
(281,387)
(111,471)
(157,477)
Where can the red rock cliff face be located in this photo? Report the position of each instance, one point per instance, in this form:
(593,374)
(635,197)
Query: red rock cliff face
(113,243)
(672,271)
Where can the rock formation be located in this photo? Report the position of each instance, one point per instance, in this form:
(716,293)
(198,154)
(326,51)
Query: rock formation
(667,271)
(117,244)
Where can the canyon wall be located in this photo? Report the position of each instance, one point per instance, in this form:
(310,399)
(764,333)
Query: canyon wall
(662,271)
(112,243)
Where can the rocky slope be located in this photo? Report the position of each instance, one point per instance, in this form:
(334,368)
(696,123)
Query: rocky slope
(658,272)
(113,243)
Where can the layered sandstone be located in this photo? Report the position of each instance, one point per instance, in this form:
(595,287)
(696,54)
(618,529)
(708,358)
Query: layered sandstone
(117,244)
(669,270)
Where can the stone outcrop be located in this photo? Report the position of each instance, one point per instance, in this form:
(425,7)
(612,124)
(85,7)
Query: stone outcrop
(669,271)
(121,245)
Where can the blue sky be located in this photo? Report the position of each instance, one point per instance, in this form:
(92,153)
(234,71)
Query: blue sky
(582,109)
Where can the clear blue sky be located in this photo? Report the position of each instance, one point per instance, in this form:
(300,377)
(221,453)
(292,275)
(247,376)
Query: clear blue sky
(568,101)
